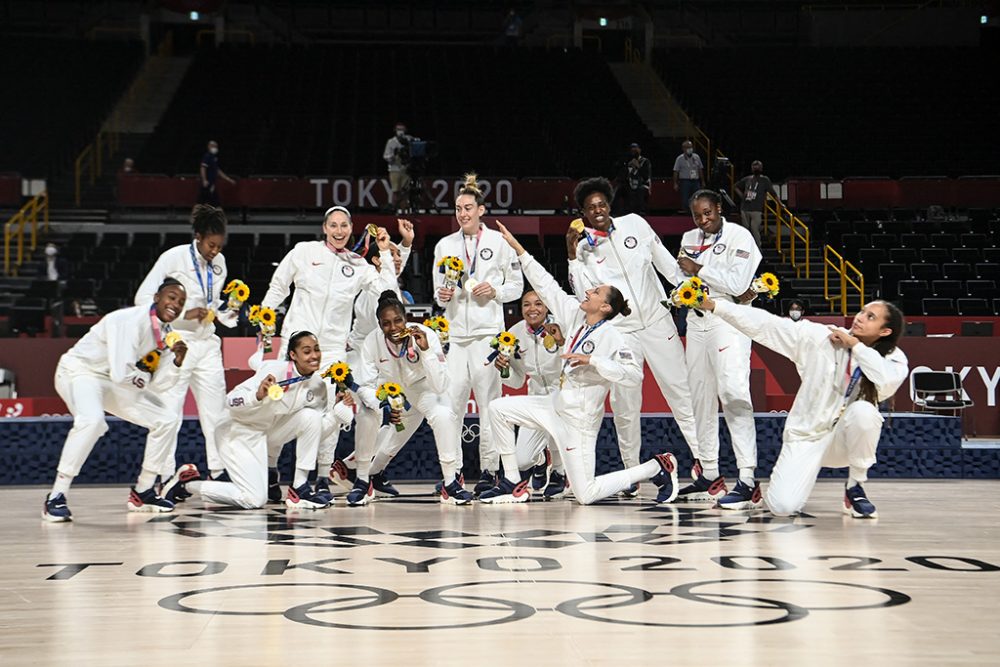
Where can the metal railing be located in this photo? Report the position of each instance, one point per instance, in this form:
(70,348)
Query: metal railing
(797,231)
(14,230)
(841,266)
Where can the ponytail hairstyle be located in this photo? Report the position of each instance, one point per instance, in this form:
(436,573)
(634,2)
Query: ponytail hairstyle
(207,220)
(386,300)
(894,320)
(618,303)
(471,188)
(295,340)
(170,282)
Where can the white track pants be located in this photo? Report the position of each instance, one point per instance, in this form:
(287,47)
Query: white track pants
(468,369)
(88,397)
(244,452)
(443,422)
(576,446)
(852,444)
(718,361)
(203,372)
(661,348)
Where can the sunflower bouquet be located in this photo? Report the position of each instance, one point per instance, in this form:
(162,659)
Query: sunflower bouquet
(265,319)
(238,292)
(452,267)
(504,344)
(689,294)
(766,283)
(391,397)
(439,325)
(149,362)
(340,375)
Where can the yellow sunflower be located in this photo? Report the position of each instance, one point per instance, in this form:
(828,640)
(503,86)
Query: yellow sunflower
(688,296)
(254,315)
(455,264)
(150,362)
(338,372)
(695,282)
(442,324)
(242,292)
(770,281)
(392,389)
(267,317)
(507,338)
(233,284)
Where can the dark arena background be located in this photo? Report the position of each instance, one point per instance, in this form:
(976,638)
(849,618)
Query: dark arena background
(877,124)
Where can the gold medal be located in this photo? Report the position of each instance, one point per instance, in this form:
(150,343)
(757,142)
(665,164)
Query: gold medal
(549,342)
(372,230)
(577,226)
(562,380)
(275,392)
(209,317)
(470,284)
(172,339)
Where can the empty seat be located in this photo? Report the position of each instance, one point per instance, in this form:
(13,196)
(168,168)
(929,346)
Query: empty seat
(108,254)
(851,243)
(912,289)
(943,240)
(884,241)
(956,271)
(935,255)
(965,255)
(988,271)
(913,240)
(981,289)
(114,240)
(92,270)
(937,306)
(903,255)
(951,289)
(970,306)
(117,289)
(79,288)
(991,255)
(146,239)
(175,239)
(973,240)
(925,271)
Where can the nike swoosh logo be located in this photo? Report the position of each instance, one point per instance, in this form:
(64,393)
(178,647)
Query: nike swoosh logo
(723,349)
(317,263)
(671,336)
(601,260)
(382,361)
(570,449)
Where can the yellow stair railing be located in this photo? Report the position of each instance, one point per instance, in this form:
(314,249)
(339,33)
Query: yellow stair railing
(797,231)
(841,267)
(13,230)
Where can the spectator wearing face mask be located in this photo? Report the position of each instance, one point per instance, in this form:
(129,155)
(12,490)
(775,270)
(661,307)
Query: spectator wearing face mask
(796,309)
(634,180)
(55,268)
(396,155)
(210,171)
(689,174)
(751,191)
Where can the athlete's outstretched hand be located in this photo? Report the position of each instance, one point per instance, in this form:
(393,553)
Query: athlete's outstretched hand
(509,238)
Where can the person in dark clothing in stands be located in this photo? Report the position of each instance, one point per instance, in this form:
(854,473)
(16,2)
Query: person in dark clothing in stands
(210,172)
(751,192)
(634,180)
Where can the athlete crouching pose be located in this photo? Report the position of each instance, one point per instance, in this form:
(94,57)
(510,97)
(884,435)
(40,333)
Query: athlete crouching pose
(834,421)
(409,355)
(117,368)
(284,400)
(595,357)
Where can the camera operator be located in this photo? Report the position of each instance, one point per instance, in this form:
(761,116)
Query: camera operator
(397,156)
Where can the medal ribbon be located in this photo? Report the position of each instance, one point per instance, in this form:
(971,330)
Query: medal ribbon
(471,263)
(208,272)
(157,333)
(289,380)
(575,344)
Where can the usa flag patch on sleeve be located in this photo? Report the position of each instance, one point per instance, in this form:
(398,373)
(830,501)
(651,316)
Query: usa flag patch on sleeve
(744,254)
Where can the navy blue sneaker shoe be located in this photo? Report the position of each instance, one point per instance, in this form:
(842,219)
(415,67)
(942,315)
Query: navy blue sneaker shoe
(173,489)
(742,497)
(343,476)
(361,493)
(223,477)
(304,498)
(540,473)
(455,494)
(487,480)
(666,479)
(55,509)
(703,490)
(148,501)
(857,504)
(506,491)
(273,486)
(322,489)
(383,486)
(557,487)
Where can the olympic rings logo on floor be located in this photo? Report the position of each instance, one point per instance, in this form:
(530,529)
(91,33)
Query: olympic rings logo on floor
(342,610)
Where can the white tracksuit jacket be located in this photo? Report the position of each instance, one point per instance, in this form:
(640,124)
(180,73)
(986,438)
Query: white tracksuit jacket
(365,305)
(537,365)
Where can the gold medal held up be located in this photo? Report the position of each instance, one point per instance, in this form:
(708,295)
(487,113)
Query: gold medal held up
(172,339)
(209,317)
(577,226)
(549,342)
(275,392)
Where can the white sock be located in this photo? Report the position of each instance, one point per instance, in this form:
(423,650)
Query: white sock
(146,480)
(746,476)
(62,483)
(856,476)
(323,468)
(710,470)
(301,477)
(510,470)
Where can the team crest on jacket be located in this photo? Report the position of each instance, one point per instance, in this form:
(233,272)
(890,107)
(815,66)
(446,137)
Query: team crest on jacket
(631,242)
(587,347)
(719,248)
(216,269)
(486,253)
(347,270)
(310,396)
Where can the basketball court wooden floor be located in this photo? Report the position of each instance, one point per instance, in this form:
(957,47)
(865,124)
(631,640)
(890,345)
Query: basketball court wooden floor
(410,581)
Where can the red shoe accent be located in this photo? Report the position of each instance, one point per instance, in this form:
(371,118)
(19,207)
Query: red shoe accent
(339,468)
(520,489)
(548,457)
(718,485)
(188,474)
(292,496)
(666,462)
(134,498)
(756,495)
(444,492)
(696,470)
(847,502)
